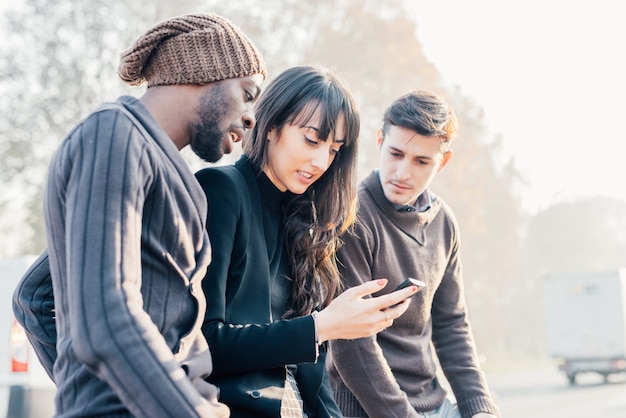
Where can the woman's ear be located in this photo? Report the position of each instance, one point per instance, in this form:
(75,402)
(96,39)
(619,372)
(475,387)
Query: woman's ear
(272,134)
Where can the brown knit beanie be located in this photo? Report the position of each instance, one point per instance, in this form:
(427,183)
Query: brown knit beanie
(190,49)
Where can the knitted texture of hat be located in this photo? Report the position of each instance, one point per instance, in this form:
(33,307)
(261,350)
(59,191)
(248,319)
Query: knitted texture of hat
(190,49)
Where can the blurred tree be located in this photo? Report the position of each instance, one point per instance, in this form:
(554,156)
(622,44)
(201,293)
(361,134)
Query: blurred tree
(582,235)
(377,51)
(57,65)
(52,76)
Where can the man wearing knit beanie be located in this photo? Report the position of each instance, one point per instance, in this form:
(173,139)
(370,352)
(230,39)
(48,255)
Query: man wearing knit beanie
(125,225)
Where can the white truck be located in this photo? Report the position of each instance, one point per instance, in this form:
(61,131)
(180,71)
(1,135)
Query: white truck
(586,322)
(25,388)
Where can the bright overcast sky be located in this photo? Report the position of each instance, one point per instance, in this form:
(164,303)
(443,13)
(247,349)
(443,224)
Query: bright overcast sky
(550,75)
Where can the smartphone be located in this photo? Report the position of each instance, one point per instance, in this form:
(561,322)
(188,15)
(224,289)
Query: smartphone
(408,282)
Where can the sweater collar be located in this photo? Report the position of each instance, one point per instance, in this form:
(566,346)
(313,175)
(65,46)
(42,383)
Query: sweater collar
(165,143)
(413,223)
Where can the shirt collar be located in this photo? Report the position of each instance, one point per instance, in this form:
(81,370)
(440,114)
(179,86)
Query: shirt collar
(422,204)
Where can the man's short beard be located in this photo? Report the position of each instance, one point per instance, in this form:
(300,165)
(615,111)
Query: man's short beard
(206,142)
(207,137)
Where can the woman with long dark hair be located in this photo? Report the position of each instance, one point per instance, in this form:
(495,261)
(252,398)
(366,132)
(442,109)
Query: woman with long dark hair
(274,221)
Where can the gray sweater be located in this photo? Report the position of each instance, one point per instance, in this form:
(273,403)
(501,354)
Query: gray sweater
(393,374)
(125,223)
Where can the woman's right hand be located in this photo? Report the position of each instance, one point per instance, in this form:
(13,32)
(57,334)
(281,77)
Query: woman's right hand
(351,315)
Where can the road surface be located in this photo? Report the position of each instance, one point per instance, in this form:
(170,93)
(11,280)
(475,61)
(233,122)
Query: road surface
(546,393)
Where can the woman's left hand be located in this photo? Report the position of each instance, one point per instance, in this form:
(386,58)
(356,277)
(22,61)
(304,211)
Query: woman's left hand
(350,315)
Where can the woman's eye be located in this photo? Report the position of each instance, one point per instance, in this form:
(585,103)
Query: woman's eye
(310,141)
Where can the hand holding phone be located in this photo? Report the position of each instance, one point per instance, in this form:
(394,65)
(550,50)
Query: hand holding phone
(408,282)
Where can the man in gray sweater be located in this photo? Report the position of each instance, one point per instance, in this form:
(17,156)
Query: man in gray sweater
(404,230)
(125,224)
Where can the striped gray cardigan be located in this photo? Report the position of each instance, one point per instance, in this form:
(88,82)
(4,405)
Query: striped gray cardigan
(125,224)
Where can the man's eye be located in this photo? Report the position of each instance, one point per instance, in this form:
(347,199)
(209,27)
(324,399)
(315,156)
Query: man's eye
(249,96)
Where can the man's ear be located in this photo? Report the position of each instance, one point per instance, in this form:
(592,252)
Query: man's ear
(447,156)
(379,139)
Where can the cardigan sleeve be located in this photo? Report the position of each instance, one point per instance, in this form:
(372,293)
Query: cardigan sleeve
(253,344)
(360,363)
(33,307)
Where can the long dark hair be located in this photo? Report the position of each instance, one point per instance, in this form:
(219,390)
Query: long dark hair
(315,219)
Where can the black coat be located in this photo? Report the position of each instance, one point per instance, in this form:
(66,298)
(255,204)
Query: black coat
(244,287)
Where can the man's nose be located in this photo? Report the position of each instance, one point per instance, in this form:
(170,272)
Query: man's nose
(403,171)
(248,120)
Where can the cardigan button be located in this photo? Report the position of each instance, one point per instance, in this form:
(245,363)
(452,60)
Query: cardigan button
(255,394)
